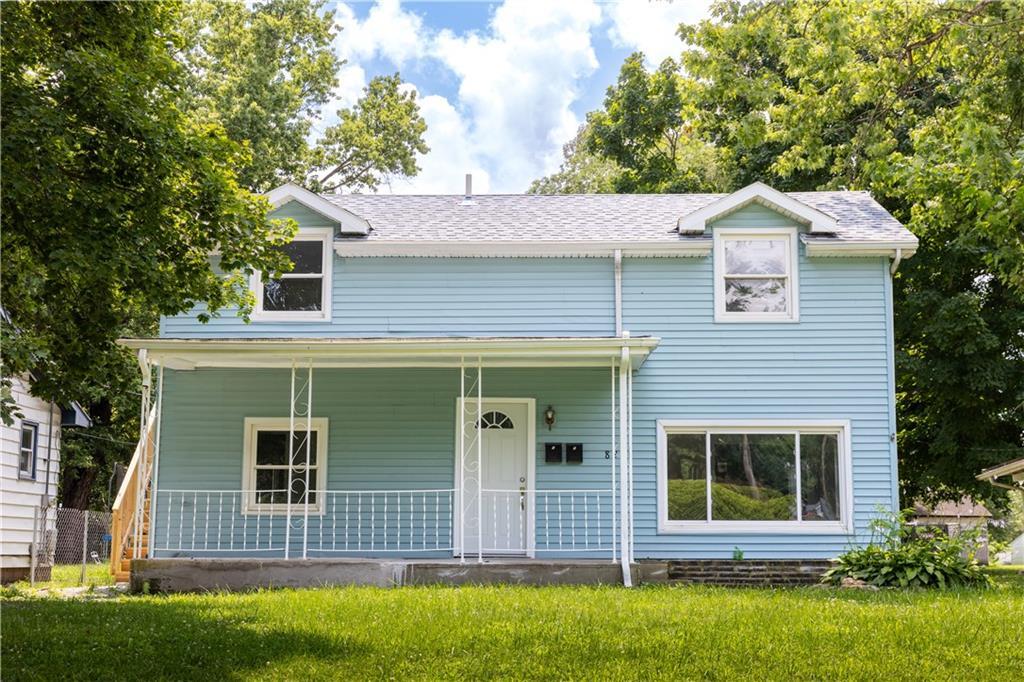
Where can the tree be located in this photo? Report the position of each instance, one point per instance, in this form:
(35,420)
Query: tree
(582,171)
(646,128)
(377,138)
(920,103)
(113,199)
(266,70)
(263,71)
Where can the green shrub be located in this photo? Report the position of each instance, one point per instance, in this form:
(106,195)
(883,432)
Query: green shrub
(901,555)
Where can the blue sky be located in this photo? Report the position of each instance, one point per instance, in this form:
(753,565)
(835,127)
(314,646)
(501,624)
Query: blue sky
(502,85)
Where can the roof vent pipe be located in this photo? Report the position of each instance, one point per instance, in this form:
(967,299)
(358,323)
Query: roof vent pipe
(467,199)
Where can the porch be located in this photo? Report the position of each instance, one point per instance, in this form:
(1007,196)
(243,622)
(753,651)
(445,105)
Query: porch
(329,453)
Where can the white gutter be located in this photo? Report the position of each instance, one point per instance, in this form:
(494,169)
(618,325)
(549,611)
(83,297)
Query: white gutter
(618,292)
(696,247)
(862,247)
(896,261)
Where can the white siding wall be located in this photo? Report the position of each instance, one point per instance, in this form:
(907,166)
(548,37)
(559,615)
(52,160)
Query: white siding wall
(20,496)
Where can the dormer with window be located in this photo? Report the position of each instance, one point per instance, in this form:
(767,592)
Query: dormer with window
(304,292)
(756,267)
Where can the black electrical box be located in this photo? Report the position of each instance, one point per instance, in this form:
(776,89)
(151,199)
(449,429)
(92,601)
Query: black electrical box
(553,453)
(574,453)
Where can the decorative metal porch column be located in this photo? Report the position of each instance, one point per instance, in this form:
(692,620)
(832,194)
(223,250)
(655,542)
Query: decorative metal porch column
(470,453)
(142,474)
(303,412)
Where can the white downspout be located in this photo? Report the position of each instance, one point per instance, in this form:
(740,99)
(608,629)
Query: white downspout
(896,261)
(624,529)
(618,292)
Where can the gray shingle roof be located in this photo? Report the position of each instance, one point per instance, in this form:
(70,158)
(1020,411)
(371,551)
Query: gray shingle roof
(648,218)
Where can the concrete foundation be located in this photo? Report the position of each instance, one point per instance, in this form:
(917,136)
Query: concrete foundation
(196,575)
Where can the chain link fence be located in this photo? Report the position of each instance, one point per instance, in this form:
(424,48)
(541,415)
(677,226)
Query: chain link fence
(69,538)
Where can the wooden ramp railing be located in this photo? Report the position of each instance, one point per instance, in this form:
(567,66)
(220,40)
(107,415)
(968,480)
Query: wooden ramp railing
(129,529)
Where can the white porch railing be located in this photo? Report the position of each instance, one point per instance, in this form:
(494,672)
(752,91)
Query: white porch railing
(558,520)
(374,522)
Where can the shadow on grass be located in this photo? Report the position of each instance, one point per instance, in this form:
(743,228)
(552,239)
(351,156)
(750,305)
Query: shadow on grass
(154,638)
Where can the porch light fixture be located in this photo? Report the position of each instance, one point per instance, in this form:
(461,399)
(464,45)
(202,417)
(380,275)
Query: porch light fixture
(549,417)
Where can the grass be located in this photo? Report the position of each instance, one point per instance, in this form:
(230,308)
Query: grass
(521,633)
(70,576)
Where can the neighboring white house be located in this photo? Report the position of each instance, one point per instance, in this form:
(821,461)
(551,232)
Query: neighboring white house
(29,470)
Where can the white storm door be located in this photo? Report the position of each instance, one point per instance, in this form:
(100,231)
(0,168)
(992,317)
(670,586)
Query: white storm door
(497,502)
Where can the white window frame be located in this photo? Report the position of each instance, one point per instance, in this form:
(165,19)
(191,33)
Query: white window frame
(255,424)
(29,474)
(788,234)
(307,234)
(737,426)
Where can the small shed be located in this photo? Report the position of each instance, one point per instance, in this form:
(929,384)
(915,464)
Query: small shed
(955,517)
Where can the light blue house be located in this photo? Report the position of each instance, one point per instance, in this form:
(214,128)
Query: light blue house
(580,379)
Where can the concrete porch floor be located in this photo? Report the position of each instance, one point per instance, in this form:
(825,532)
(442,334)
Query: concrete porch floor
(196,575)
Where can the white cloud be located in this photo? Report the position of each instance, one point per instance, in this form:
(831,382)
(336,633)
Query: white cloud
(443,169)
(388,31)
(517,82)
(650,25)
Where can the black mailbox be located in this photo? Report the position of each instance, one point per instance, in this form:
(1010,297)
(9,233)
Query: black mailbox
(574,453)
(553,453)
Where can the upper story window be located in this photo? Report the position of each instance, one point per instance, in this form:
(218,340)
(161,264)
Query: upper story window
(304,293)
(755,275)
(27,450)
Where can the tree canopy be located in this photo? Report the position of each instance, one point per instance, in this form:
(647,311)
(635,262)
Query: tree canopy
(135,140)
(265,72)
(920,103)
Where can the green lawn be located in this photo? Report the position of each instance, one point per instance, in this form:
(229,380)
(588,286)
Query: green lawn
(518,632)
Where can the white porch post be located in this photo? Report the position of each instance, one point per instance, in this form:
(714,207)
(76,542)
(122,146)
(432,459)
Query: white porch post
(291,454)
(629,450)
(624,525)
(479,459)
(142,476)
(461,540)
(156,459)
(309,430)
(613,464)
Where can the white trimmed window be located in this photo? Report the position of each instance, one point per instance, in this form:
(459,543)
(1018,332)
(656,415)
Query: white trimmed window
(304,293)
(751,477)
(755,275)
(27,448)
(275,473)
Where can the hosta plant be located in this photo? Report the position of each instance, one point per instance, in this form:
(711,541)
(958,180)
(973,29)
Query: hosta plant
(901,555)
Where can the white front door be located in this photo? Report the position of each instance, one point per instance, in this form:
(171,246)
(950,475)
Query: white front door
(497,503)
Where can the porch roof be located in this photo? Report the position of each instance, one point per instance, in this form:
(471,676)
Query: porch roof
(601,351)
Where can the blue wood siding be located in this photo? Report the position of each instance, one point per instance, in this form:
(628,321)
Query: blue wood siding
(389,429)
(444,297)
(396,427)
(834,364)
